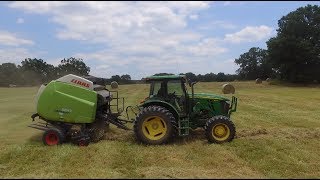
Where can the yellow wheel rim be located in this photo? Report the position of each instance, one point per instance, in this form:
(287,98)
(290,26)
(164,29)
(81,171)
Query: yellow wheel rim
(154,128)
(220,132)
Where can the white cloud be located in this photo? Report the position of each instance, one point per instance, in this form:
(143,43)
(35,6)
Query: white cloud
(193,16)
(229,3)
(20,20)
(10,39)
(103,67)
(250,34)
(144,37)
(15,55)
(207,47)
(107,21)
(218,24)
(225,25)
(36,6)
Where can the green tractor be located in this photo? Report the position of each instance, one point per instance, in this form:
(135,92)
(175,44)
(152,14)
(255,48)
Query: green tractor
(77,109)
(171,111)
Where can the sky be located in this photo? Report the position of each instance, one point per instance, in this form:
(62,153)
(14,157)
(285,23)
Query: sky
(140,38)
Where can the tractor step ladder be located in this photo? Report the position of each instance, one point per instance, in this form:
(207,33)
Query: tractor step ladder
(183,127)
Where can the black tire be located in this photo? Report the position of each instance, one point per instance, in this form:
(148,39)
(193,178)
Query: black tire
(167,122)
(225,133)
(53,136)
(98,131)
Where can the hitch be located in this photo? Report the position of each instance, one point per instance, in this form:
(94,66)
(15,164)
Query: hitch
(114,120)
(132,120)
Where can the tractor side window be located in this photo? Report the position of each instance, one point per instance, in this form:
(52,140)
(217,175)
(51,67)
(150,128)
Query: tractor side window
(177,94)
(175,87)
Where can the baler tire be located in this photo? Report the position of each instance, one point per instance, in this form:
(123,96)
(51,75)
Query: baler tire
(225,125)
(160,114)
(98,131)
(53,136)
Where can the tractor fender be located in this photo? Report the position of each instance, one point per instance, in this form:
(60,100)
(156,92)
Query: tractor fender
(163,104)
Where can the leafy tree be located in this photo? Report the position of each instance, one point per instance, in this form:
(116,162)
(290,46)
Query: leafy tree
(9,74)
(190,76)
(125,77)
(221,77)
(254,64)
(73,66)
(116,78)
(36,71)
(295,51)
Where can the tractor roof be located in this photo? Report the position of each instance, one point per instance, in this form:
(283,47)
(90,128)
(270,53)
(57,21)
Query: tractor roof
(167,77)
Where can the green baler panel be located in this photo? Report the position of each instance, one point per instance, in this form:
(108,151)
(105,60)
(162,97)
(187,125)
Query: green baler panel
(64,102)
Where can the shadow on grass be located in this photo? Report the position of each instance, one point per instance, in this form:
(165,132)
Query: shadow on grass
(36,138)
(194,135)
(115,134)
(289,84)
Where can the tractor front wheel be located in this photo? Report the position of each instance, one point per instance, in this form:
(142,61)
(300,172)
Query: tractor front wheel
(220,129)
(53,136)
(154,125)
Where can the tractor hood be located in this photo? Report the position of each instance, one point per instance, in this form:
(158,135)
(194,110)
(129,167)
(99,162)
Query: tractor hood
(208,96)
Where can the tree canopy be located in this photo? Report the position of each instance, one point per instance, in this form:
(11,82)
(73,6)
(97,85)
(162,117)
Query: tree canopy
(295,51)
(37,71)
(254,64)
(73,66)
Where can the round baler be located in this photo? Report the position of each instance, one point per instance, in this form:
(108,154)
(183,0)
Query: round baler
(74,109)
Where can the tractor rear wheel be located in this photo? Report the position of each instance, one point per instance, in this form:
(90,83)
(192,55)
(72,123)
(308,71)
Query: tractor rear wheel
(220,129)
(53,136)
(154,125)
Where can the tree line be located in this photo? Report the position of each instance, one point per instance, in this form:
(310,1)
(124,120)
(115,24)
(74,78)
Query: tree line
(208,77)
(36,71)
(292,55)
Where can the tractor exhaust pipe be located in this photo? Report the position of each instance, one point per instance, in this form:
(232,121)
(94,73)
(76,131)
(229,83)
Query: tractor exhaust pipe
(192,89)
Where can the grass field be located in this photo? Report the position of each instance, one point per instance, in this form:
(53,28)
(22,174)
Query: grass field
(278,136)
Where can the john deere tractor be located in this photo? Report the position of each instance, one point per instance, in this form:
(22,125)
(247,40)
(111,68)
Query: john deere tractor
(171,111)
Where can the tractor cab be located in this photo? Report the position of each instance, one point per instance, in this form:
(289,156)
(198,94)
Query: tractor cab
(170,89)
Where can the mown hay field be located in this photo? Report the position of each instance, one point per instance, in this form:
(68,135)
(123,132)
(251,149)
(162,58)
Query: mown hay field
(278,136)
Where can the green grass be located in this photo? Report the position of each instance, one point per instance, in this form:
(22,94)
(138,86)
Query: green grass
(278,133)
